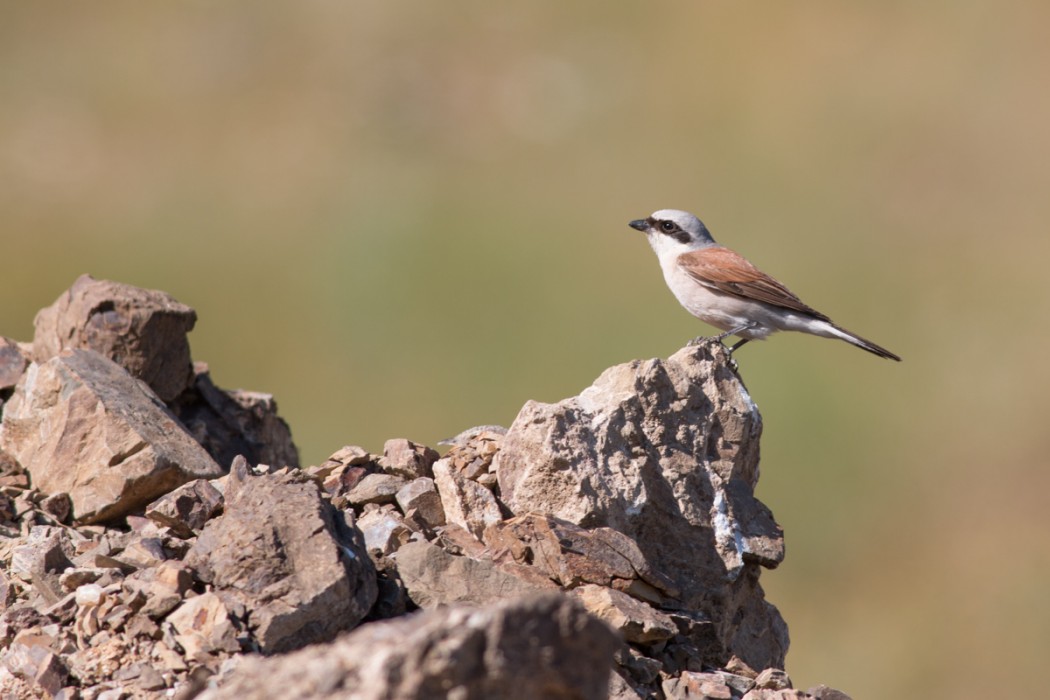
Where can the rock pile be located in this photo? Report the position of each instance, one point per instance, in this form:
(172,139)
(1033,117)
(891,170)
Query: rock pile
(158,538)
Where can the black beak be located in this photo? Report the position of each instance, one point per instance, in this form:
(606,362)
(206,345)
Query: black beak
(640,224)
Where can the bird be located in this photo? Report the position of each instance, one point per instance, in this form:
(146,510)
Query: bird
(722,288)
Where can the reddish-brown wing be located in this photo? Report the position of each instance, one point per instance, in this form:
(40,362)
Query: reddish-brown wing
(724,271)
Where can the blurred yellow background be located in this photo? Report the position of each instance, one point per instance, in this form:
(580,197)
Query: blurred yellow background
(405,219)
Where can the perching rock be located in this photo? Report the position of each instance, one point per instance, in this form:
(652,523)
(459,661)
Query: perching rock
(142,330)
(292,561)
(539,647)
(79,424)
(665,452)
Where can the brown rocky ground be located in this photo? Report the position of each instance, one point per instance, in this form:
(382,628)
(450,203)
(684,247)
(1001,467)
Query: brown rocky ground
(159,538)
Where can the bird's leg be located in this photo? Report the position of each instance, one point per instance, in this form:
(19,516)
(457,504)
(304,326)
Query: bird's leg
(737,345)
(700,339)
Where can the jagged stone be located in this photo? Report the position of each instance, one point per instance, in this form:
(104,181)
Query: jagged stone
(375,488)
(186,509)
(59,506)
(421,495)
(434,577)
(473,454)
(539,647)
(466,503)
(636,621)
(407,459)
(773,678)
(130,451)
(162,587)
(13,362)
(691,685)
(383,529)
(572,555)
(665,452)
(348,456)
(228,423)
(203,626)
(283,553)
(37,665)
(142,330)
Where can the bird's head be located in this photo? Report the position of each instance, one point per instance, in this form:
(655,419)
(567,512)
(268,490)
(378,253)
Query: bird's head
(674,231)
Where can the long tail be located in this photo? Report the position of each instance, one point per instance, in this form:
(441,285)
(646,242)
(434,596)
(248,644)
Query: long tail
(862,343)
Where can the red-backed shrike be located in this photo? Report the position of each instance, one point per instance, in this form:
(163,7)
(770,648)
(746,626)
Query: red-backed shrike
(723,289)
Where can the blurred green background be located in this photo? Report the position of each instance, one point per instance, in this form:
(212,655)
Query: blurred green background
(405,219)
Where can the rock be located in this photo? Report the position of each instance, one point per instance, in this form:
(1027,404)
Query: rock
(162,587)
(392,600)
(421,495)
(740,668)
(41,668)
(286,555)
(186,509)
(434,577)
(11,472)
(773,679)
(634,620)
(472,455)
(539,647)
(144,552)
(41,560)
(375,488)
(620,688)
(666,453)
(384,531)
(406,459)
(13,362)
(465,502)
(59,506)
(699,686)
(572,555)
(345,456)
(237,422)
(203,626)
(142,330)
(79,424)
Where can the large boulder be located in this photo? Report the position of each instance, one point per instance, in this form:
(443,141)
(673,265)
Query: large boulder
(280,552)
(80,424)
(142,330)
(666,453)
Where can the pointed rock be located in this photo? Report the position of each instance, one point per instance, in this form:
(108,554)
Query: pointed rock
(665,452)
(142,330)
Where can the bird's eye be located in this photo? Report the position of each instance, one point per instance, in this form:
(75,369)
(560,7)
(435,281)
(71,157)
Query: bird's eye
(667,226)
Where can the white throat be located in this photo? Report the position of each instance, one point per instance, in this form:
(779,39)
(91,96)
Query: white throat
(668,249)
